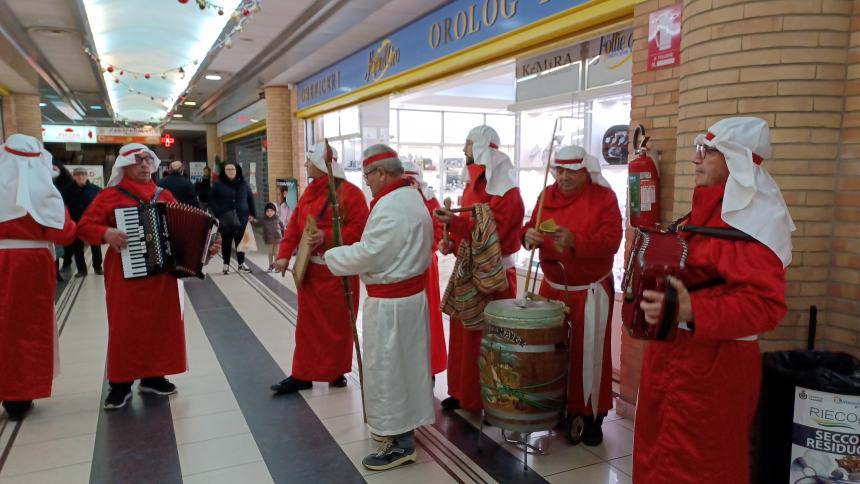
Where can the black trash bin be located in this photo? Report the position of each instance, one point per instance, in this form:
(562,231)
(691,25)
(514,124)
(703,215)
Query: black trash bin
(809,419)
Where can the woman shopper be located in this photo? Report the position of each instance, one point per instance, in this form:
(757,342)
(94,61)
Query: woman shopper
(232,202)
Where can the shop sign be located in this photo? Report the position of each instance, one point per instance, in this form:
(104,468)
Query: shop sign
(664,38)
(60,133)
(447,30)
(121,136)
(825,442)
(94,172)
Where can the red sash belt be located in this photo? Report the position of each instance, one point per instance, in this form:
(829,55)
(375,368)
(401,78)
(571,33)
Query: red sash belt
(404,288)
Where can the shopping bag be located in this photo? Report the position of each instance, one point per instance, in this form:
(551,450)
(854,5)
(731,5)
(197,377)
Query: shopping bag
(248,243)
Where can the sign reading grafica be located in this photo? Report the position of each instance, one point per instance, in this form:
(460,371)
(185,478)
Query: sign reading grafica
(379,60)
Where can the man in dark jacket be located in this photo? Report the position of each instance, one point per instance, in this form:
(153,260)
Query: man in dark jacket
(203,187)
(179,186)
(77,197)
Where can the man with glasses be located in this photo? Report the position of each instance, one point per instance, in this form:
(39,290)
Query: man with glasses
(699,392)
(491,180)
(323,329)
(392,258)
(576,258)
(146,331)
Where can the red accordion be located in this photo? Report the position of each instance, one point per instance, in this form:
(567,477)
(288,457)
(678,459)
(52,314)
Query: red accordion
(653,256)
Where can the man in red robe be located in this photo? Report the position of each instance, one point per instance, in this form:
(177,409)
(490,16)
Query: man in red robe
(699,392)
(323,329)
(146,331)
(491,180)
(438,352)
(576,258)
(32,219)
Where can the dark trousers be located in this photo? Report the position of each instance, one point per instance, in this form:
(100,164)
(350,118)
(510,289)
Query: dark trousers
(228,238)
(77,250)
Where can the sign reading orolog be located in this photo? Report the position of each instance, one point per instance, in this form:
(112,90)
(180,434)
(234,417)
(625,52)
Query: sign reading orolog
(456,26)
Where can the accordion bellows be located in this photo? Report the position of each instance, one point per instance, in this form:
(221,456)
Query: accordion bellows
(478,273)
(165,237)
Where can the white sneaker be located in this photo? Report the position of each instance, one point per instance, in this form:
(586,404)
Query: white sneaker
(226,269)
(244,268)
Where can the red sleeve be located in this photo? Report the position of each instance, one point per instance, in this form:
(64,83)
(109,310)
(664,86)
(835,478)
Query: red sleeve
(64,236)
(604,241)
(354,216)
(432,205)
(97,218)
(292,235)
(752,301)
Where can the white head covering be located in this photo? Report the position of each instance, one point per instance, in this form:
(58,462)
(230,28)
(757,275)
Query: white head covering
(575,158)
(412,170)
(316,155)
(26,185)
(752,202)
(500,172)
(126,158)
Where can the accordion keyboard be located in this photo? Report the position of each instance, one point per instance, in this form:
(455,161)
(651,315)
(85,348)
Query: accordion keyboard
(134,254)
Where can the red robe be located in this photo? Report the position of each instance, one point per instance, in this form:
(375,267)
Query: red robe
(698,393)
(438,352)
(146,332)
(28,330)
(323,328)
(592,215)
(464,347)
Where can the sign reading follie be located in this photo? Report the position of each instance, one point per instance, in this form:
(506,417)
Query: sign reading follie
(664,38)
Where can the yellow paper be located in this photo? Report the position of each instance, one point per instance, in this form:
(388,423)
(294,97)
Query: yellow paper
(548,226)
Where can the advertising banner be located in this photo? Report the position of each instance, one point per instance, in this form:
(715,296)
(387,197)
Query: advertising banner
(61,133)
(196,170)
(825,444)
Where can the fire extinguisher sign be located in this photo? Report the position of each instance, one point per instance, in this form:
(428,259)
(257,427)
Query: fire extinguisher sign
(643,192)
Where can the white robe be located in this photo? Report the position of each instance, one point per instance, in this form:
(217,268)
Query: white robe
(395,246)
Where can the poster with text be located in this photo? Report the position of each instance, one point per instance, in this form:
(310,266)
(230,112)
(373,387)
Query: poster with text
(664,38)
(252,177)
(95,173)
(196,169)
(825,443)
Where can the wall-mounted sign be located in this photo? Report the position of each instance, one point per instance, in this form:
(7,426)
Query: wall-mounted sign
(196,168)
(60,133)
(447,30)
(122,136)
(664,38)
(254,113)
(167,140)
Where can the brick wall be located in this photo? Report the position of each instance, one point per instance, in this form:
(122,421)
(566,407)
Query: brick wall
(842,329)
(22,114)
(285,135)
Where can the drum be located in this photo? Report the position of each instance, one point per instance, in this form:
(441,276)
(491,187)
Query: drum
(523,364)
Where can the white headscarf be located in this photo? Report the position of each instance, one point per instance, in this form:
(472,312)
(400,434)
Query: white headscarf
(500,172)
(316,155)
(752,202)
(575,158)
(412,170)
(27,185)
(126,158)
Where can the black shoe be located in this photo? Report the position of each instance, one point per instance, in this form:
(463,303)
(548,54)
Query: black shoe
(118,397)
(60,277)
(158,385)
(98,270)
(290,385)
(593,434)
(339,382)
(450,403)
(79,274)
(66,267)
(17,410)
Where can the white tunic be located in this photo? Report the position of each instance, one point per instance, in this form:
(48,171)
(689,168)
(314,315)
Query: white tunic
(395,246)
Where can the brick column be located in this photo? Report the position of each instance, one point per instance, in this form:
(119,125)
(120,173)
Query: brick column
(214,147)
(22,114)
(285,135)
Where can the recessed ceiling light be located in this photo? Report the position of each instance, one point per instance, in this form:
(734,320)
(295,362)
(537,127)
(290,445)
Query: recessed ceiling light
(213,77)
(95,107)
(147,126)
(41,105)
(177,115)
(190,103)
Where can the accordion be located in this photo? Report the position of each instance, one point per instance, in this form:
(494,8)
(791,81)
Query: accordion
(165,237)
(653,257)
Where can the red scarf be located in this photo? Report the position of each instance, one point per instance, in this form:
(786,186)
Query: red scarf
(708,206)
(554,197)
(403,182)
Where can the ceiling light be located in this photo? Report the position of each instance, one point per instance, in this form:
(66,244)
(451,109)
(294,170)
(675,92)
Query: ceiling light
(95,107)
(41,105)
(177,115)
(190,103)
(213,77)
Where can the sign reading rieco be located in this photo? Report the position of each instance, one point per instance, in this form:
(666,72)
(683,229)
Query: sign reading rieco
(445,31)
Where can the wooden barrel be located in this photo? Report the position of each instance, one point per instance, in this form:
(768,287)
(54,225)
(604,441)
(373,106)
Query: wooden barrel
(523,364)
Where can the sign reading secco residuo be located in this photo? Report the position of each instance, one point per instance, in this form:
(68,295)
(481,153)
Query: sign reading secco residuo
(825,444)
(445,31)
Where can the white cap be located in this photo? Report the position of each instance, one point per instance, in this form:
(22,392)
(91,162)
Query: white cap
(126,158)
(316,155)
(500,172)
(413,171)
(576,158)
(752,201)
(27,185)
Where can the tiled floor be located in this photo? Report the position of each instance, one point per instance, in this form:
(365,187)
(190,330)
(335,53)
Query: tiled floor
(214,442)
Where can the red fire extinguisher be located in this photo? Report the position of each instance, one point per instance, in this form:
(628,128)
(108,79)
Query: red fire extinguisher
(643,181)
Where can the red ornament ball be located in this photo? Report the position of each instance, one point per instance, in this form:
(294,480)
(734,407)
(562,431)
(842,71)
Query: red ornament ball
(245,12)
(110,69)
(220,11)
(146,76)
(183,2)
(116,81)
(122,73)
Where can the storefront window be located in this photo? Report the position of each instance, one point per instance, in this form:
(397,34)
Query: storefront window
(426,157)
(349,122)
(457,126)
(420,127)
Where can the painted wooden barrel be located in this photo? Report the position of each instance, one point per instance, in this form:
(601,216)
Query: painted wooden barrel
(523,364)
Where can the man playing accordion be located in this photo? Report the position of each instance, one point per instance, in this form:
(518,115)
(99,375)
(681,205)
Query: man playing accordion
(699,391)
(576,258)
(146,333)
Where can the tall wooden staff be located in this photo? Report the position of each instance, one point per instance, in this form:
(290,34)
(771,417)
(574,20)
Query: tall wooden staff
(523,301)
(337,241)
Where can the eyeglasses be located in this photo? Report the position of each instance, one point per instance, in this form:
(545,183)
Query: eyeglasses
(367,173)
(703,150)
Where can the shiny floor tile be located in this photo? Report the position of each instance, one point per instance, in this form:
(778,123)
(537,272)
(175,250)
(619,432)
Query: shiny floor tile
(252,473)
(601,473)
(215,454)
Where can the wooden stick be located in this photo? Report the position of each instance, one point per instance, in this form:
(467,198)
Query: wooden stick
(447,204)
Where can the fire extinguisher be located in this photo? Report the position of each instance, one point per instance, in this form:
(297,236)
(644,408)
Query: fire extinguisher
(643,181)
